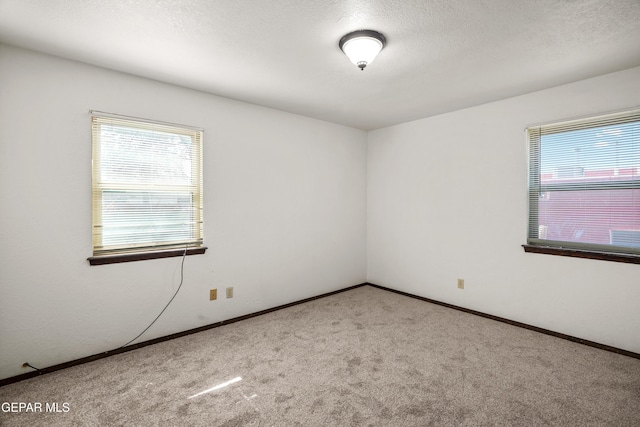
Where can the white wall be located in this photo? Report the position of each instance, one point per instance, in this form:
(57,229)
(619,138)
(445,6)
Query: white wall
(447,200)
(284,212)
(292,206)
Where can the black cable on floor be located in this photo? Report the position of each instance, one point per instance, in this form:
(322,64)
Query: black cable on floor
(27,364)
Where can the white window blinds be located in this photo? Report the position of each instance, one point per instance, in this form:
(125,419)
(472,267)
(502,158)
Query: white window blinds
(147,185)
(584,184)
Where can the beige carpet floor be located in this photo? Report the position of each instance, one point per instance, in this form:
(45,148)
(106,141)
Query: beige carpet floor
(364,357)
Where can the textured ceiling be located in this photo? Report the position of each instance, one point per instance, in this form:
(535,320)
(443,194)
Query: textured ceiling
(441,55)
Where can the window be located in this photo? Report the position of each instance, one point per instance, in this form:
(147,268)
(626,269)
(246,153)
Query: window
(584,187)
(147,189)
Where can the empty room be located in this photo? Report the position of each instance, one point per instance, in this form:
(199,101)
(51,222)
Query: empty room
(312,213)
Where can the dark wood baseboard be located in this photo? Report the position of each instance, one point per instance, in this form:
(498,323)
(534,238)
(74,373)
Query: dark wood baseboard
(515,323)
(87,359)
(98,356)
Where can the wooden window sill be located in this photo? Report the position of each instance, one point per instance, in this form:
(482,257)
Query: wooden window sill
(580,253)
(113,259)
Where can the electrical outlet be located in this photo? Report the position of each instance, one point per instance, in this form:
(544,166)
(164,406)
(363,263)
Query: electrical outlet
(230,292)
(460,283)
(213,294)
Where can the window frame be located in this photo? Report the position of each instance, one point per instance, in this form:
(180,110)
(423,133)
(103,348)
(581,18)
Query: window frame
(536,244)
(153,249)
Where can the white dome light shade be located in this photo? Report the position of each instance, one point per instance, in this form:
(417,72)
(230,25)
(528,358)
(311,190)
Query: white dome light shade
(362,47)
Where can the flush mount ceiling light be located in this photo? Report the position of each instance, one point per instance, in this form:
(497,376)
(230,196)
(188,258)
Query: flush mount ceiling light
(362,46)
